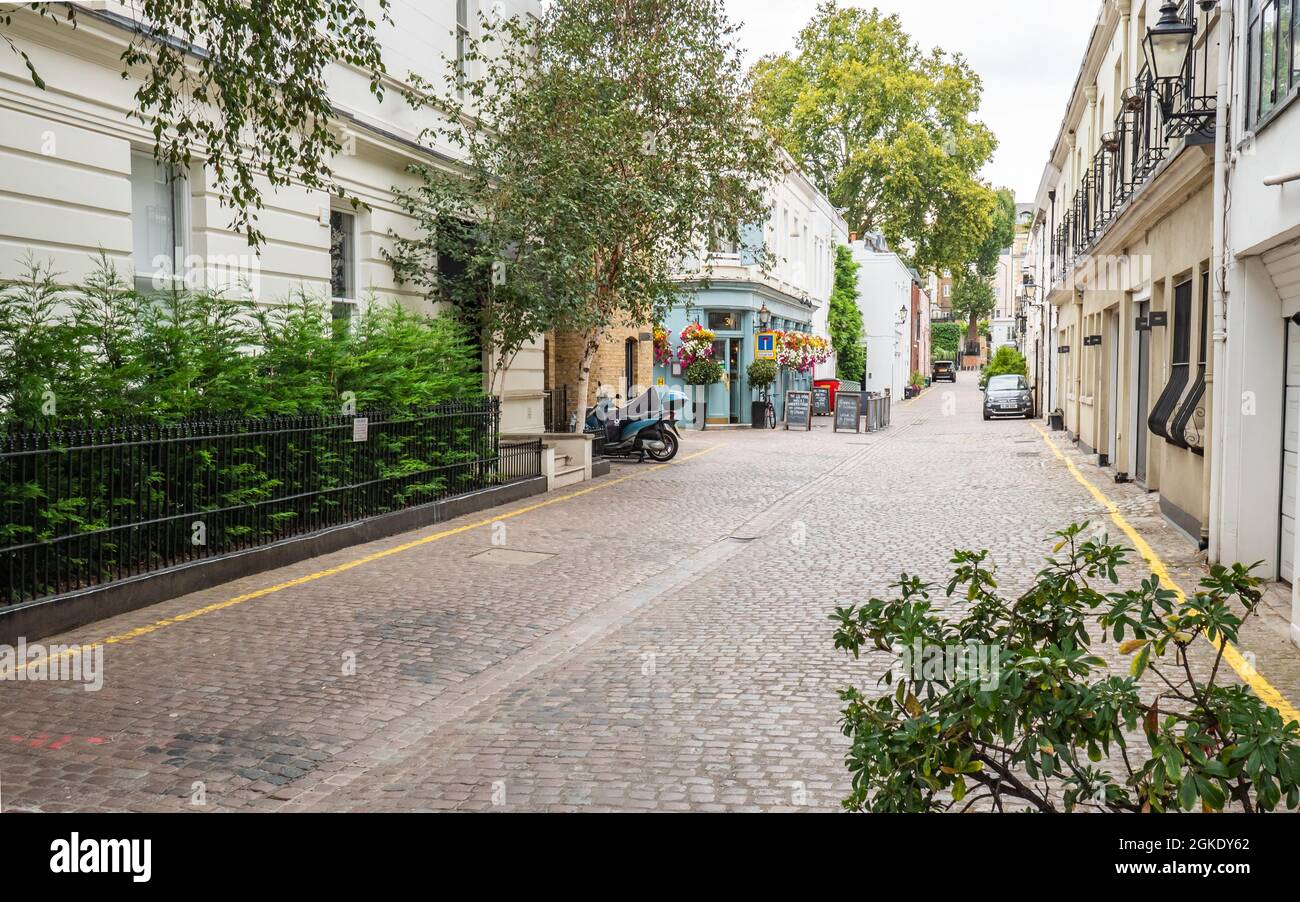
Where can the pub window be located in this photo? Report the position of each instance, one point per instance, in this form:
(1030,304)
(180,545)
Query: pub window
(723,321)
(1274,55)
(721,242)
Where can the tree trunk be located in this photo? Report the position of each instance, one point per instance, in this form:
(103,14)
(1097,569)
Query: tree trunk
(591,344)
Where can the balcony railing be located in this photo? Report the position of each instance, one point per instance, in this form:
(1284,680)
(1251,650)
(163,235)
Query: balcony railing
(1154,114)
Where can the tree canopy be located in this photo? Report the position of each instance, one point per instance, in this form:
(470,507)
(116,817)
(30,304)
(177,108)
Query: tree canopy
(846,318)
(604,143)
(887,130)
(973,295)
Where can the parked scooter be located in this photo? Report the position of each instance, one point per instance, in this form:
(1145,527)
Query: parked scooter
(646,428)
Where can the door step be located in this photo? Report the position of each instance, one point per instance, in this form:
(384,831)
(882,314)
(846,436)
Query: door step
(568,476)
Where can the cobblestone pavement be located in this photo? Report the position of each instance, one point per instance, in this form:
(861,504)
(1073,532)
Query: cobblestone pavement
(665,646)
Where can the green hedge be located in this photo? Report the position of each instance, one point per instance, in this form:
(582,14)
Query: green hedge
(102,351)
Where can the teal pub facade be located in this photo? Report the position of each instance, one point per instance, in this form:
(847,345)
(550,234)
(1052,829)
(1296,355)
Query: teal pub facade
(734,312)
(734,297)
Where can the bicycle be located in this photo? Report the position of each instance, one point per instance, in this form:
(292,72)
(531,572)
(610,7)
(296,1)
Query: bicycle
(769,411)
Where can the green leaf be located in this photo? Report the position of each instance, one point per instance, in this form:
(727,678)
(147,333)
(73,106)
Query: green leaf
(1139,665)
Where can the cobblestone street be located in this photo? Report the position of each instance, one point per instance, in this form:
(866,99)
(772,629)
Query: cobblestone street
(663,644)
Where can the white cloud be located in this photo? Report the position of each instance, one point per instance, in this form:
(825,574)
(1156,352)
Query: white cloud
(1028,53)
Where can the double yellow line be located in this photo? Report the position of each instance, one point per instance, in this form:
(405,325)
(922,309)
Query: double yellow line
(344,568)
(1266,691)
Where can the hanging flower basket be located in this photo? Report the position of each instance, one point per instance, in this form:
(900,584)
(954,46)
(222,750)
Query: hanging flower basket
(697,344)
(800,351)
(663,347)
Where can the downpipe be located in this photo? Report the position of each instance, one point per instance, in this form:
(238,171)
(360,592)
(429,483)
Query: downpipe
(1219,385)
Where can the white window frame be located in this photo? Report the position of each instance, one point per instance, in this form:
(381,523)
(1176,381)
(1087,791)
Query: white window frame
(464,16)
(352,266)
(148,278)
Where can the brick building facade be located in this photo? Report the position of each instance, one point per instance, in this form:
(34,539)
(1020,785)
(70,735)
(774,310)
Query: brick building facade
(624,362)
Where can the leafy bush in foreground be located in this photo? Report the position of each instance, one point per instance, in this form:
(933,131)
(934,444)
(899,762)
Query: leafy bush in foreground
(1009,705)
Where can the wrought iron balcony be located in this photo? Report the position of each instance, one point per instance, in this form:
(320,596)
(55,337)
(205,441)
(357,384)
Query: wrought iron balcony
(1154,115)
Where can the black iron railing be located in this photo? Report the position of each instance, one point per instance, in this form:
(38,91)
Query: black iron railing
(557,415)
(1153,114)
(82,507)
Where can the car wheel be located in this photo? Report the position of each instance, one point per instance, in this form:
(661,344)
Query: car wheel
(986,416)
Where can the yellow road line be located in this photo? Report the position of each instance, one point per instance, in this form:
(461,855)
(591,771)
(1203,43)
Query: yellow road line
(343,568)
(1252,677)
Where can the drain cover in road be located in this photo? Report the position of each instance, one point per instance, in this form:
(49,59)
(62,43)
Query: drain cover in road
(510,557)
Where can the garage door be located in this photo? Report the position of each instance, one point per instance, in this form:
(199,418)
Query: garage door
(1290,451)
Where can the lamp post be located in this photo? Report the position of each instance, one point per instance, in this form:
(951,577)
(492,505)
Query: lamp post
(1168,43)
(764,318)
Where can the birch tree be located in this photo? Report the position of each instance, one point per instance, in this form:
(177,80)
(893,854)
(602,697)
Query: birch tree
(604,144)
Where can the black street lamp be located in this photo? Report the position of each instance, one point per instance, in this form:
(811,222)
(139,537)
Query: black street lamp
(1169,43)
(764,317)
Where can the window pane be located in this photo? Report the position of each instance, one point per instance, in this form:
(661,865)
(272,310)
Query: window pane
(157,215)
(1293,24)
(1268,66)
(1182,349)
(723,321)
(1205,317)
(341,254)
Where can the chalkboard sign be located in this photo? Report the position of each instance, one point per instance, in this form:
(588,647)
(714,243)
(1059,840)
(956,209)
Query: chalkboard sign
(848,412)
(798,410)
(821,401)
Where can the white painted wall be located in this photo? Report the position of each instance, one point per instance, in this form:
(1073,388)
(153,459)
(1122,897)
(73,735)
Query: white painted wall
(884,293)
(1263,289)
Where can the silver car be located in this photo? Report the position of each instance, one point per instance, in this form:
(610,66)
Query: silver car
(1008,396)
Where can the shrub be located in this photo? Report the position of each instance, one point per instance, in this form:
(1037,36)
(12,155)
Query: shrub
(762,374)
(1037,713)
(101,351)
(946,339)
(1007,361)
(704,371)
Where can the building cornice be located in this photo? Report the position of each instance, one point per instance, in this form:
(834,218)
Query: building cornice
(1103,33)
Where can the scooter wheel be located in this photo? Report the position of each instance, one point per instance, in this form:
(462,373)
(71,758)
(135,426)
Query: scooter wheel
(670,449)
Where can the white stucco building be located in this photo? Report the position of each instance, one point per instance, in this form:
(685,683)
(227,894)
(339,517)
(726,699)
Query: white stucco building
(78,176)
(1256,335)
(885,298)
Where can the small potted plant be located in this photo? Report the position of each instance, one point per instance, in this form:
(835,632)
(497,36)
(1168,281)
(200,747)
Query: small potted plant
(705,371)
(915,386)
(762,376)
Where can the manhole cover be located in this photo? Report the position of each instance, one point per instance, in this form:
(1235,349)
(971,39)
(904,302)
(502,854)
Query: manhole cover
(510,557)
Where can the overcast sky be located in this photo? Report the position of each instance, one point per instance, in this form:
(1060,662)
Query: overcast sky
(1027,53)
